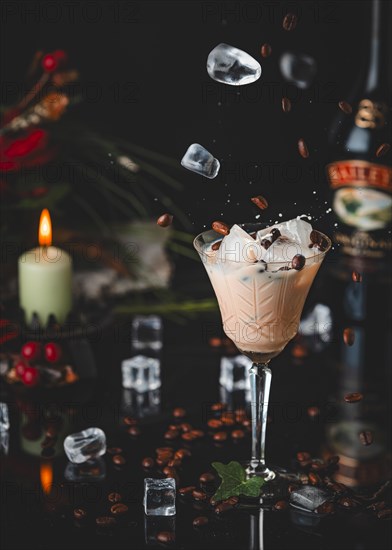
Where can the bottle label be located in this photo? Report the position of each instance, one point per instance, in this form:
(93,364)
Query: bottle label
(362,197)
(370,114)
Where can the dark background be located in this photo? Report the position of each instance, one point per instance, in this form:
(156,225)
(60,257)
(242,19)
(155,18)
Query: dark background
(143,76)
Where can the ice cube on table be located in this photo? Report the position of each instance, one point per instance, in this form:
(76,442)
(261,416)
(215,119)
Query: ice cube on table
(4,417)
(86,445)
(234,372)
(308,498)
(141,373)
(197,159)
(299,69)
(147,332)
(230,65)
(159,496)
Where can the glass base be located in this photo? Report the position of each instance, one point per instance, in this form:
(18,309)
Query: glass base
(277,481)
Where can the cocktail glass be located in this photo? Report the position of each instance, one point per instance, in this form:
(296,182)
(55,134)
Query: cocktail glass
(261,308)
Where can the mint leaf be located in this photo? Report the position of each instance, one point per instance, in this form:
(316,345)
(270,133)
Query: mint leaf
(234,482)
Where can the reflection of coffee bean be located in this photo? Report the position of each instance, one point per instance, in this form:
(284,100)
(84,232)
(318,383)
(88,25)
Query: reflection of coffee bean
(119,509)
(166,537)
(80,514)
(200,521)
(220,436)
(353,397)
(105,521)
(237,434)
(114,497)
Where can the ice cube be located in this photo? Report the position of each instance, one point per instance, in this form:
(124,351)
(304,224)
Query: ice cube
(230,65)
(318,322)
(141,373)
(147,332)
(299,69)
(93,470)
(86,445)
(295,240)
(308,498)
(4,418)
(239,246)
(159,496)
(4,443)
(234,372)
(198,159)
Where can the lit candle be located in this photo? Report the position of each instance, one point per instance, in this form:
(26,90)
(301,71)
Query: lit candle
(45,278)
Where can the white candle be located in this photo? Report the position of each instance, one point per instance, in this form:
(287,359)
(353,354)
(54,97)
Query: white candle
(45,278)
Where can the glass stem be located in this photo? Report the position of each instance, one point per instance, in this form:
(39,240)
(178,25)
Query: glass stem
(260,383)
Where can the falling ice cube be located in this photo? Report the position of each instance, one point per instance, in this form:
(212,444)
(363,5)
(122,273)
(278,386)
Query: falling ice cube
(299,69)
(86,445)
(199,160)
(308,498)
(141,373)
(230,65)
(4,418)
(160,497)
(234,372)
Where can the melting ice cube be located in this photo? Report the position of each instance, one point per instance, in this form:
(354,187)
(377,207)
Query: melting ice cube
(86,445)
(299,69)
(160,497)
(308,497)
(230,65)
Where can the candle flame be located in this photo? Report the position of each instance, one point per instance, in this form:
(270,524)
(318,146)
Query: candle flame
(46,476)
(45,229)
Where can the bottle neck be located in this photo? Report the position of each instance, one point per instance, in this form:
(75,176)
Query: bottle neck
(379,46)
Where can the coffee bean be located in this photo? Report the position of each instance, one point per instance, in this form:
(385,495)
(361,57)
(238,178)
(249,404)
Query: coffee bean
(134,431)
(207,478)
(118,460)
(353,397)
(221,227)
(275,234)
(165,220)
(237,434)
(366,438)
(80,514)
(184,491)
(356,277)
(200,521)
(148,463)
(171,434)
(185,427)
(313,412)
(280,505)
(214,424)
(383,150)
(188,436)
(227,418)
(325,508)
(199,495)
(302,455)
(385,514)
(223,507)
(182,453)
(298,262)
(247,423)
(105,521)
(166,452)
(260,202)
(218,406)
(348,336)
(114,450)
(318,240)
(197,434)
(179,412)
(114,497)
(266,50)
(119,509)
(216,246)
(166,537)
(220,436)
(130,421)
(286,105)
(345,107)
(266,243)
(289,22)
(169,471)
(348,502)
(314,478)
(303,148)
(174,463)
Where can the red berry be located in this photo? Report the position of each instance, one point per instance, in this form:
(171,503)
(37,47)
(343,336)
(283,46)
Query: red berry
(30,376)
(49,63)
(52,352)
(31,350)
(20,368)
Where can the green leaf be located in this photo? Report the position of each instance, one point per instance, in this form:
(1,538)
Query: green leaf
(234,481)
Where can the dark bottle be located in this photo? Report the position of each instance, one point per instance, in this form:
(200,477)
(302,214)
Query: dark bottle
(361,181)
